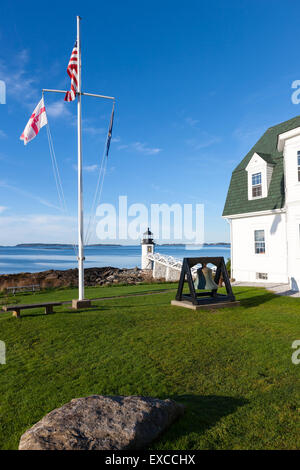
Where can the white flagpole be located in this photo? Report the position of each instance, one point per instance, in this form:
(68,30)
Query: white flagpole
(81,302)
(80,188)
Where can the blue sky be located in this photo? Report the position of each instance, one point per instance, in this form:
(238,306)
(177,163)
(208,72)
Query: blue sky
(196,82)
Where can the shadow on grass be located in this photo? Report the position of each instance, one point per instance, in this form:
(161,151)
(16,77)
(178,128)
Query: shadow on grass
(201,414)
(240,292)
(257,300)
(62,312)
(155,306)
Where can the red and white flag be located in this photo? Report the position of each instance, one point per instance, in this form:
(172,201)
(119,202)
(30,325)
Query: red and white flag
(37,120)
(72,71)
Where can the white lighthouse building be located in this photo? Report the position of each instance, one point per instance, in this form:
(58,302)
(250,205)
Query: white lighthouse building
(147,248)
(263,208)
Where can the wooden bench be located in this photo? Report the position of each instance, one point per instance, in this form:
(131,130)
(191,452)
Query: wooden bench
(16,309)
(14,289)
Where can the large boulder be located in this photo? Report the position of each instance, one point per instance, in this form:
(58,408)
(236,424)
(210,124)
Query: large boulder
(102,423)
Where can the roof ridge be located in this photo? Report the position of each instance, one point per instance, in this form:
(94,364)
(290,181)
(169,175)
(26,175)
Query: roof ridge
(282,123)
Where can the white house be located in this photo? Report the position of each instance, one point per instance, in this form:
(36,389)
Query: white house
(263,209)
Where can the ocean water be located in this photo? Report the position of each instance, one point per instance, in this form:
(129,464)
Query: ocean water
(35,259)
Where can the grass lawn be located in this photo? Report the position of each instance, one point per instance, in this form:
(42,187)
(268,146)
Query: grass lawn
(231,368)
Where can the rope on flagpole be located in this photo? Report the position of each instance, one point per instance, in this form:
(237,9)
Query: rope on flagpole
(99,187)
(97,196)
(55,171)
(57,178)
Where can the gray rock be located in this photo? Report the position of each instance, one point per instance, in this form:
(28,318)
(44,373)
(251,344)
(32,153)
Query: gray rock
(102,423)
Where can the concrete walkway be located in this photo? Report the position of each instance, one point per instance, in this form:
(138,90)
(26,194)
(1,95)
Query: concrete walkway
(279,289)
(126,296)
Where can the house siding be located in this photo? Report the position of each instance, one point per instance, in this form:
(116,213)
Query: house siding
(245,262)
(293,210)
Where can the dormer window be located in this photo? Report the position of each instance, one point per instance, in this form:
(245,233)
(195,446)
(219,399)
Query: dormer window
(260,170)
(298,161)
(256,185)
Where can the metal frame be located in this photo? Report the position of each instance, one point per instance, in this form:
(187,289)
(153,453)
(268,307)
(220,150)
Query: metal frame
(82,94)
(207,297)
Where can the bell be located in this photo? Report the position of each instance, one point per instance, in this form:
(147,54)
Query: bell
(209,282)
(204,279)
(200,280)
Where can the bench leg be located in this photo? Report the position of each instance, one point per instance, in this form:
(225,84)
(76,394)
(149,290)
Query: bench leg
(16,313)
(48,309)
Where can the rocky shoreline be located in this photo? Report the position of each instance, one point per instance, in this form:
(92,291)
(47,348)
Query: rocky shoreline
(69,278)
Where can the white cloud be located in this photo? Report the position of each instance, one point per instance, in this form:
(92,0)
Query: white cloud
(140,147)
(19,84)
(161,189)
(143,148)
(204,141)
(247,135)
(91,168)
(2,209)
(88,168)
(28,194)
(94,130)
(37,229)
(23,56)
(191,122)
(57,109)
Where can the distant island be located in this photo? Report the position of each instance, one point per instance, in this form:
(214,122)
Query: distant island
(217,244)
(191,244)
(69,245)
(104,244)
(48,245)
(56,245)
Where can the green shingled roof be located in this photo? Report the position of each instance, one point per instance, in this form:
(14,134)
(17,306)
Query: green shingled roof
(237,197)
(267,157)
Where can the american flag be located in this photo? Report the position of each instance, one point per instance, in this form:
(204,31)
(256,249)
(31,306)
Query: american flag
(72,71)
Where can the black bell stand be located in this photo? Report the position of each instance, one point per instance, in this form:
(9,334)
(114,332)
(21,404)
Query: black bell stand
(208,299)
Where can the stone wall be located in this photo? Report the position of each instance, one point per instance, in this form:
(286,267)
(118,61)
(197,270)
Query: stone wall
(166,272)
(159,270)
(69,278)
(172,274)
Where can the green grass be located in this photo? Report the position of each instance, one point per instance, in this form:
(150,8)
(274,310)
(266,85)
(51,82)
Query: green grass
(231,368)
(67,294)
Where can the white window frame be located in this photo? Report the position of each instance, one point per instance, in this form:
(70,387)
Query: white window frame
(256,186)
(261,242)
(259,165)
(298,239)
(262,276)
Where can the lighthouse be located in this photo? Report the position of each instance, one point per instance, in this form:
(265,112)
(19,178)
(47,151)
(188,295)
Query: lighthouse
(147,249)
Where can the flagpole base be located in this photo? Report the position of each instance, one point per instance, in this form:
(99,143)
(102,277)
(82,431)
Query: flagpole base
(77,304)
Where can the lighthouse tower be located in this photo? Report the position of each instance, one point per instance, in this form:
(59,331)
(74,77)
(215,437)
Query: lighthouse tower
(147,248)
